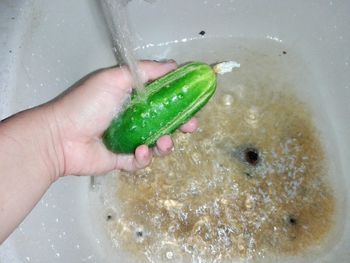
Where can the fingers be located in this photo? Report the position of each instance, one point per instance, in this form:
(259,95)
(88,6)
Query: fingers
(143,155)
(121,78)
(151,70)
(190,126)
(130,163)
(164,146)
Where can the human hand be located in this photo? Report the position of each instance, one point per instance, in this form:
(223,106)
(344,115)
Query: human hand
(63,137)
(82,115)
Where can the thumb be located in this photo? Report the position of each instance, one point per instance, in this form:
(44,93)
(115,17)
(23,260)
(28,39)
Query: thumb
(100,97)
(117,82)
(119,79)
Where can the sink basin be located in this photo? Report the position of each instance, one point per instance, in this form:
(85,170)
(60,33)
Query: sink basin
(48,46)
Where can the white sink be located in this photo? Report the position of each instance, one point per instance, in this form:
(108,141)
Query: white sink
(46,46)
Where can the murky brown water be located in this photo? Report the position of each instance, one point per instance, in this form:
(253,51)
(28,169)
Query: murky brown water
(251,183)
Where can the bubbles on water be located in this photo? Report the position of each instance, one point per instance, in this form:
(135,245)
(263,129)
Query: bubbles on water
(170,252)
(252,116)
(229,191)
(227,99)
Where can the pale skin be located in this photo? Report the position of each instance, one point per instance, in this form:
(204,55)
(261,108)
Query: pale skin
(63,137)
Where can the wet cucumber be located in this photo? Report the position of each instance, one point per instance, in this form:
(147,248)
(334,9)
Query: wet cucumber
(168,103)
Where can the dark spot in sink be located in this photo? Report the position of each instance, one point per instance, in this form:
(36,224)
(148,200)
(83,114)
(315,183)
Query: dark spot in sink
(251,156)
(248,174)
(202,33)
(292,220)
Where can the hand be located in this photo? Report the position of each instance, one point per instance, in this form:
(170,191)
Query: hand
(82,115)
(64,137)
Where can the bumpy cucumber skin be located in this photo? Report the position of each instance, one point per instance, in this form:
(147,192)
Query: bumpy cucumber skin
(168,103)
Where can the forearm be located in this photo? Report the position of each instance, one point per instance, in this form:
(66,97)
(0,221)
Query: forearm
(29,164)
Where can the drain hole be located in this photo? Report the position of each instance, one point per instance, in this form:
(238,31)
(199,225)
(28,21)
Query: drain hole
(110,214)
(292,220)
(251,155)
(139,233)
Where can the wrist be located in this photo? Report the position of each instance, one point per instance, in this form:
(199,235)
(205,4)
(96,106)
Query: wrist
(32,138)
(52,146)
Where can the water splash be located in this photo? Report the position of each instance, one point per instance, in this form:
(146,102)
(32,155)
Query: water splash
(250,186)
(117,19)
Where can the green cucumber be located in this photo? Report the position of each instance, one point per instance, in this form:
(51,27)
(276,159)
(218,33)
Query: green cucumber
(168,103)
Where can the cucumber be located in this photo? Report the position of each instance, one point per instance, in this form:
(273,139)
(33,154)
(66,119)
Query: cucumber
(168,103)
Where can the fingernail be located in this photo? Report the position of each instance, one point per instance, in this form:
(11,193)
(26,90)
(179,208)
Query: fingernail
(170,61)
(165,60)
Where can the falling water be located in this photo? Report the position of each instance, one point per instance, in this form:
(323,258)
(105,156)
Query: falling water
(116,16)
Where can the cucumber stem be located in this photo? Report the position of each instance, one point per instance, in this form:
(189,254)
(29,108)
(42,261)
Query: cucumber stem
(225,67)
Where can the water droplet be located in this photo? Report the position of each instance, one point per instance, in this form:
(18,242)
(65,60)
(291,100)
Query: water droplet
(249,202)
(252,116)
(169,255)
(227,99)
